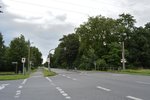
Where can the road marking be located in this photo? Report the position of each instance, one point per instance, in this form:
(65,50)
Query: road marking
(48,79)
(68,77)
(65,94)
(18,91)
(24,81)
(20,87)
(63,75)
(133,98)
(16,96)
(3,86)
(99,87)
(68,97)
(74,79)
(143,82)
(62,92)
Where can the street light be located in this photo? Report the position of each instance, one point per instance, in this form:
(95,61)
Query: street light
(123,60)
(48,59)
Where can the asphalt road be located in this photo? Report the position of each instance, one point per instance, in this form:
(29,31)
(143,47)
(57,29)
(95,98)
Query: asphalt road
(72,85)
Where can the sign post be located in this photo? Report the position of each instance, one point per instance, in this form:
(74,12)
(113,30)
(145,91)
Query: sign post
(23,61)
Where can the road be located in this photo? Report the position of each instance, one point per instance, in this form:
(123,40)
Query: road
(81,85)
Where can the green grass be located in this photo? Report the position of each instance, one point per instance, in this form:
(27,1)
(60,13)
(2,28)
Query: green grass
(13,77)
(7,73)
(136,72)
(48,73)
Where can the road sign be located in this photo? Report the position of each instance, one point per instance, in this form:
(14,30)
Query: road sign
(14,62)
(23,60)
(123,60)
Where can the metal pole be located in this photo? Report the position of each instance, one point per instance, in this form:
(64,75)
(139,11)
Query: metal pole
(23,69)
(49,67)
(29,55)
(123,58)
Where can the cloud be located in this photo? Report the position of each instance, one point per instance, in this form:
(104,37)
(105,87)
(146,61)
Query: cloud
(45,32)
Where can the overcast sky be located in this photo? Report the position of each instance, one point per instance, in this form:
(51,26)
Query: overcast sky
(44,22)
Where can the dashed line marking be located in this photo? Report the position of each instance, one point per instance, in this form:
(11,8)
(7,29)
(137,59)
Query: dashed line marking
(74,79)
(63,75)
(24,81)
(133,98)
(65,94)
(143,82)
(49,79)
(16,96)
(20,87)
(99,87)
(68,97)
(68,77)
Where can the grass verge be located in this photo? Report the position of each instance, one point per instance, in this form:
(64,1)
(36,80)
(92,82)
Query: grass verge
(136,72)
(46,72)
(13,77)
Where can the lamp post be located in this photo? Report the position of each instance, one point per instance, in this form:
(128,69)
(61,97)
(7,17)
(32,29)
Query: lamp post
(48,59)
(123,60)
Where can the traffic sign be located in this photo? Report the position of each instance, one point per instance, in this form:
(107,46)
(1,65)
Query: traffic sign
(123,60)
(23,60)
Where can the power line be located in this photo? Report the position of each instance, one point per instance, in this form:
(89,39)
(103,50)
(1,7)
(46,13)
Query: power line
(40,5)
(79,5)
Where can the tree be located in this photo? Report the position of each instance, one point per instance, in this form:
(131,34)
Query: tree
(18,50)
(2,53)
(67,51)
(36,57)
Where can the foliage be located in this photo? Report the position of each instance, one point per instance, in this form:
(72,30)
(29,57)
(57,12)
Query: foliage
(46,72)
(17,50)
(99,40)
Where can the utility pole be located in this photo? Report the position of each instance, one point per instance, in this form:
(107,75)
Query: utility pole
(123,58)
(29,56)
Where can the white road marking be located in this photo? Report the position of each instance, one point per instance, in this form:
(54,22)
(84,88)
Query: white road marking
(16,96)
(143,82)
(74,79)
(20,87)
(68,97)
(63,75)
(18,91)
(133,98)
(99,87)
(3,86)
(48,79)
(68,77)
(24,81)
(62,92)
(65,94)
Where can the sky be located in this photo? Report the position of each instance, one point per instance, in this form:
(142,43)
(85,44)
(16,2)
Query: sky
(44,22)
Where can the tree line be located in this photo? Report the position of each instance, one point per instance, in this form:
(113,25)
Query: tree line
(97,44)
(18,49)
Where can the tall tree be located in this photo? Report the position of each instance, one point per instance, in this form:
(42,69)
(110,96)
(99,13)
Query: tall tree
(36,57)
(2,53)
(18,50)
